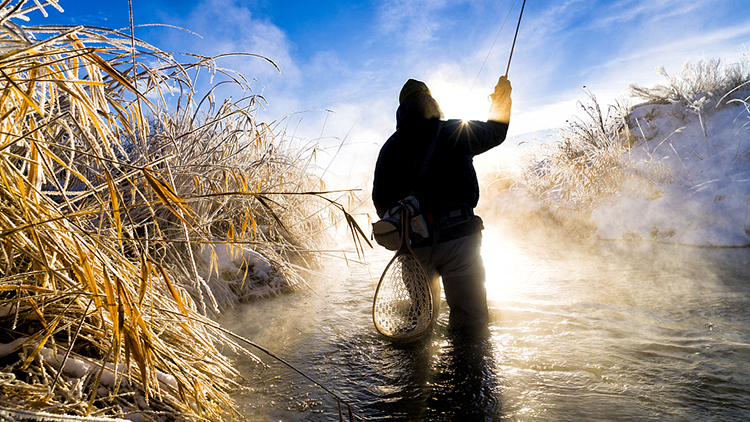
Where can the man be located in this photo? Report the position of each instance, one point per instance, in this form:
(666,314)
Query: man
(447,192)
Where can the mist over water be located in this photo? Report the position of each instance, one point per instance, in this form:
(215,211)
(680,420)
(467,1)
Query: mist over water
(604,331)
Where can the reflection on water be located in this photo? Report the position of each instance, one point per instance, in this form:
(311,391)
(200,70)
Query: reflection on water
(466,384)
(611,332)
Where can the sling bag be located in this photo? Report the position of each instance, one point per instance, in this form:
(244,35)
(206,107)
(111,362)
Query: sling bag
(387,230)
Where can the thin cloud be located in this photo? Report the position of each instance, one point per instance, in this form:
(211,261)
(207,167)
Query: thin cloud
(683,48)
(562,46)
(653,11)
(415,22)
(227,26)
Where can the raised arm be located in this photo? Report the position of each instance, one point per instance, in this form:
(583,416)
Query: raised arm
(501,102)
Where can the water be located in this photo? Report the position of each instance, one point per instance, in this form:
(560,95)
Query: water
(612,331)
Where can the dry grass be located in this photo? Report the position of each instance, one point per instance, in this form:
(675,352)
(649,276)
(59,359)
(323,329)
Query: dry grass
(109,204)
(709,82)
(588,162)
(583,165)
(702,87)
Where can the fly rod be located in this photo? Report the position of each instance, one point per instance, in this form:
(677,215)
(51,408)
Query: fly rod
(514,38)
(495,40)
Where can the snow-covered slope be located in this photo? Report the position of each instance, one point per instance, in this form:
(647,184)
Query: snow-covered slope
(706,153)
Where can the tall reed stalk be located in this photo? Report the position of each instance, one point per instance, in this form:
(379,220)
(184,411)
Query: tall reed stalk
(584,164)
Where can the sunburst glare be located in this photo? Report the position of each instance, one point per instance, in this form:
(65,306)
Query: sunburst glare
(460,102)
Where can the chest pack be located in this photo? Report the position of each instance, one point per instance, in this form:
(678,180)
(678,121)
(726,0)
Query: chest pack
(387,230)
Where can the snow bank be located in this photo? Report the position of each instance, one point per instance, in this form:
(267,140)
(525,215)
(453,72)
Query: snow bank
(235,273)
(707,200)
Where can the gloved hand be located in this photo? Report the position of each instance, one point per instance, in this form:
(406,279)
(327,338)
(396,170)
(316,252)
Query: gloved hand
(501,102)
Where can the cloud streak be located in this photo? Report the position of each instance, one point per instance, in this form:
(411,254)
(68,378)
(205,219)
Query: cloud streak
(412,22)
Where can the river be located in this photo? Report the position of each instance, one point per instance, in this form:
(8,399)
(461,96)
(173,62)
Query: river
(607,331)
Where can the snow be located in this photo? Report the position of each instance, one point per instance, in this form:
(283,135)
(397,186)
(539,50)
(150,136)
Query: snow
(37,415)
(6,349)
(223,256)
(79,368)
(237,272)
(705,199)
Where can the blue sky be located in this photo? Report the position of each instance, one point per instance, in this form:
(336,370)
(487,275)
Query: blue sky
(353,57)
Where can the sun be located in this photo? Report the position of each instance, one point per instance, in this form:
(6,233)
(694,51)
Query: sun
(459,102)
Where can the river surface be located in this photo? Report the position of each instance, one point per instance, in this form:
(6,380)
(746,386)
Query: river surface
(610,331)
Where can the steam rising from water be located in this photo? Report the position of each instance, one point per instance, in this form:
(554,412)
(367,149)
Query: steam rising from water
(609,330)
(626,329)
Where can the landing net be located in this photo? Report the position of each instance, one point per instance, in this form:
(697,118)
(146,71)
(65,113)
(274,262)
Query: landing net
(403,302)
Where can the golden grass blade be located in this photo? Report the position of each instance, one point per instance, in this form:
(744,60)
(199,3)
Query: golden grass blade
(133,346)
(213,266)
(113,193)
(167,197)
(197,185)
(4,58)
(70,346)
(263,201)
(37,312)
(115,74)
(47,333)
(30,288)
(34,175)
(28,101)
(86,274)
(145,278)
(173,292)
(114,312)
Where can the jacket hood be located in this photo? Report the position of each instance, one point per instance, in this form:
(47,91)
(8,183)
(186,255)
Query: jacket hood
(413,87)
(417,110)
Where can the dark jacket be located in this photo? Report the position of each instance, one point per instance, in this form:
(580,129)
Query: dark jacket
(450,179)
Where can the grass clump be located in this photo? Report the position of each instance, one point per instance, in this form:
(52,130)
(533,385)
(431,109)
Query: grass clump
(702,88)
(708,82)
(115,216)
(563,180)
(252,222)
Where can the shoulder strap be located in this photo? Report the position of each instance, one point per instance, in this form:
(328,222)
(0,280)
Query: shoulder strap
(428,156)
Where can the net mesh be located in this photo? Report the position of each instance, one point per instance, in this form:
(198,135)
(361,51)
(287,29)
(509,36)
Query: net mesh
(403,302)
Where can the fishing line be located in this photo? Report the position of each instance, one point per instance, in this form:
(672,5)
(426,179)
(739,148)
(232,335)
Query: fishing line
(493,45)
(216,326)
(495,40)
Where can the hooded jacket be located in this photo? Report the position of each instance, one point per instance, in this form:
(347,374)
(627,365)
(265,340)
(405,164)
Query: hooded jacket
(450,179)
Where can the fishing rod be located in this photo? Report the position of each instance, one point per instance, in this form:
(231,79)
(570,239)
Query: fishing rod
(514,38)
(495,40)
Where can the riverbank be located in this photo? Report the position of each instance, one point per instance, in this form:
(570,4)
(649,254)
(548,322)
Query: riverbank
(132,213)
(674,169)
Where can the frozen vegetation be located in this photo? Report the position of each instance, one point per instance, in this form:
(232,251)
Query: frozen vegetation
(673,169)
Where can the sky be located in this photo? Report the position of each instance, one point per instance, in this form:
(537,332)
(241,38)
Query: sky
(342,63)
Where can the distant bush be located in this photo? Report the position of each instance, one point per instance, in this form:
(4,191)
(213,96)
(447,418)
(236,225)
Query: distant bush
(583,165)
(716,82)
